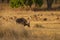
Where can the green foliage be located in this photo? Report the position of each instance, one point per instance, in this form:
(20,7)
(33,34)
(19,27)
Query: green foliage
(28,3)
(39,2)
(18,3)
(14,3)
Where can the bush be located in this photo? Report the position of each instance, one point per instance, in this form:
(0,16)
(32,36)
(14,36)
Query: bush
(39,2)
(14,3)
(18,3)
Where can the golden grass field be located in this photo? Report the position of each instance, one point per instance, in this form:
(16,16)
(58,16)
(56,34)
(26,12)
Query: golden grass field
(44,25)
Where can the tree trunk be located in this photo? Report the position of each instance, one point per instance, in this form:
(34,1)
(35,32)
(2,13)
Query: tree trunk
(49,3)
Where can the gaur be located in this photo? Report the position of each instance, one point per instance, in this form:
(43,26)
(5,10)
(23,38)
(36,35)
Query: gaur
(22,21)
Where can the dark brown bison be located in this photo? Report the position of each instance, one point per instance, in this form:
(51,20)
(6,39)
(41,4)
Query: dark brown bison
(23,21)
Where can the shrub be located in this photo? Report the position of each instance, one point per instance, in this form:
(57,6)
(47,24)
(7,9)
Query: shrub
(39,2)
(18,3)
(14,3)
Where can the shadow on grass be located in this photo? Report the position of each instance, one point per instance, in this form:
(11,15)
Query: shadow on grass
(45,9)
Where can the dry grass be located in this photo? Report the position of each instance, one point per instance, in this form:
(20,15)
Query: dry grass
(39,30)
(10,30)
(17,33)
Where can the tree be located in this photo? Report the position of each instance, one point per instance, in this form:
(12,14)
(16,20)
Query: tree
(49,3)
